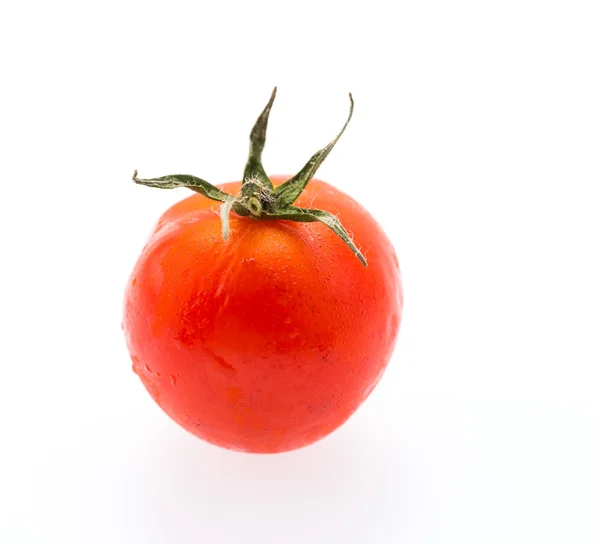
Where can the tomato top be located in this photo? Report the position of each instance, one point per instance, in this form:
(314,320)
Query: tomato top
(257,196)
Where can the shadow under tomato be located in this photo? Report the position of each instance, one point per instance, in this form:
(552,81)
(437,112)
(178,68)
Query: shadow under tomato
(346,482)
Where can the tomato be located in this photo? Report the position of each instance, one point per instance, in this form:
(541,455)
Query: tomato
(271,339)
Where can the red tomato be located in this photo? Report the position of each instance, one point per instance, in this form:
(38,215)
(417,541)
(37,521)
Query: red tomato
(270,340)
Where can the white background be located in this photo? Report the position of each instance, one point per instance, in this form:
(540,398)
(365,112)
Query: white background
(475,143)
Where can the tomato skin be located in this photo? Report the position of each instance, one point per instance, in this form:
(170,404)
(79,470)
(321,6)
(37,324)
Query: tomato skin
(269,341)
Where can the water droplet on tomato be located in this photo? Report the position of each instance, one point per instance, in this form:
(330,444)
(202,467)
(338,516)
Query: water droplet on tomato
(135,364)
(173,380)
(393,323)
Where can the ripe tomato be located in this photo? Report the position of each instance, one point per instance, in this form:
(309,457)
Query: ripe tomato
(270,340)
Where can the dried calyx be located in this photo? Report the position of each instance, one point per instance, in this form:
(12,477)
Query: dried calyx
(258,198)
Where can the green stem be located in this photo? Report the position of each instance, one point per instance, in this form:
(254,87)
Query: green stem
(254,169)
(257,197)
(288,192)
